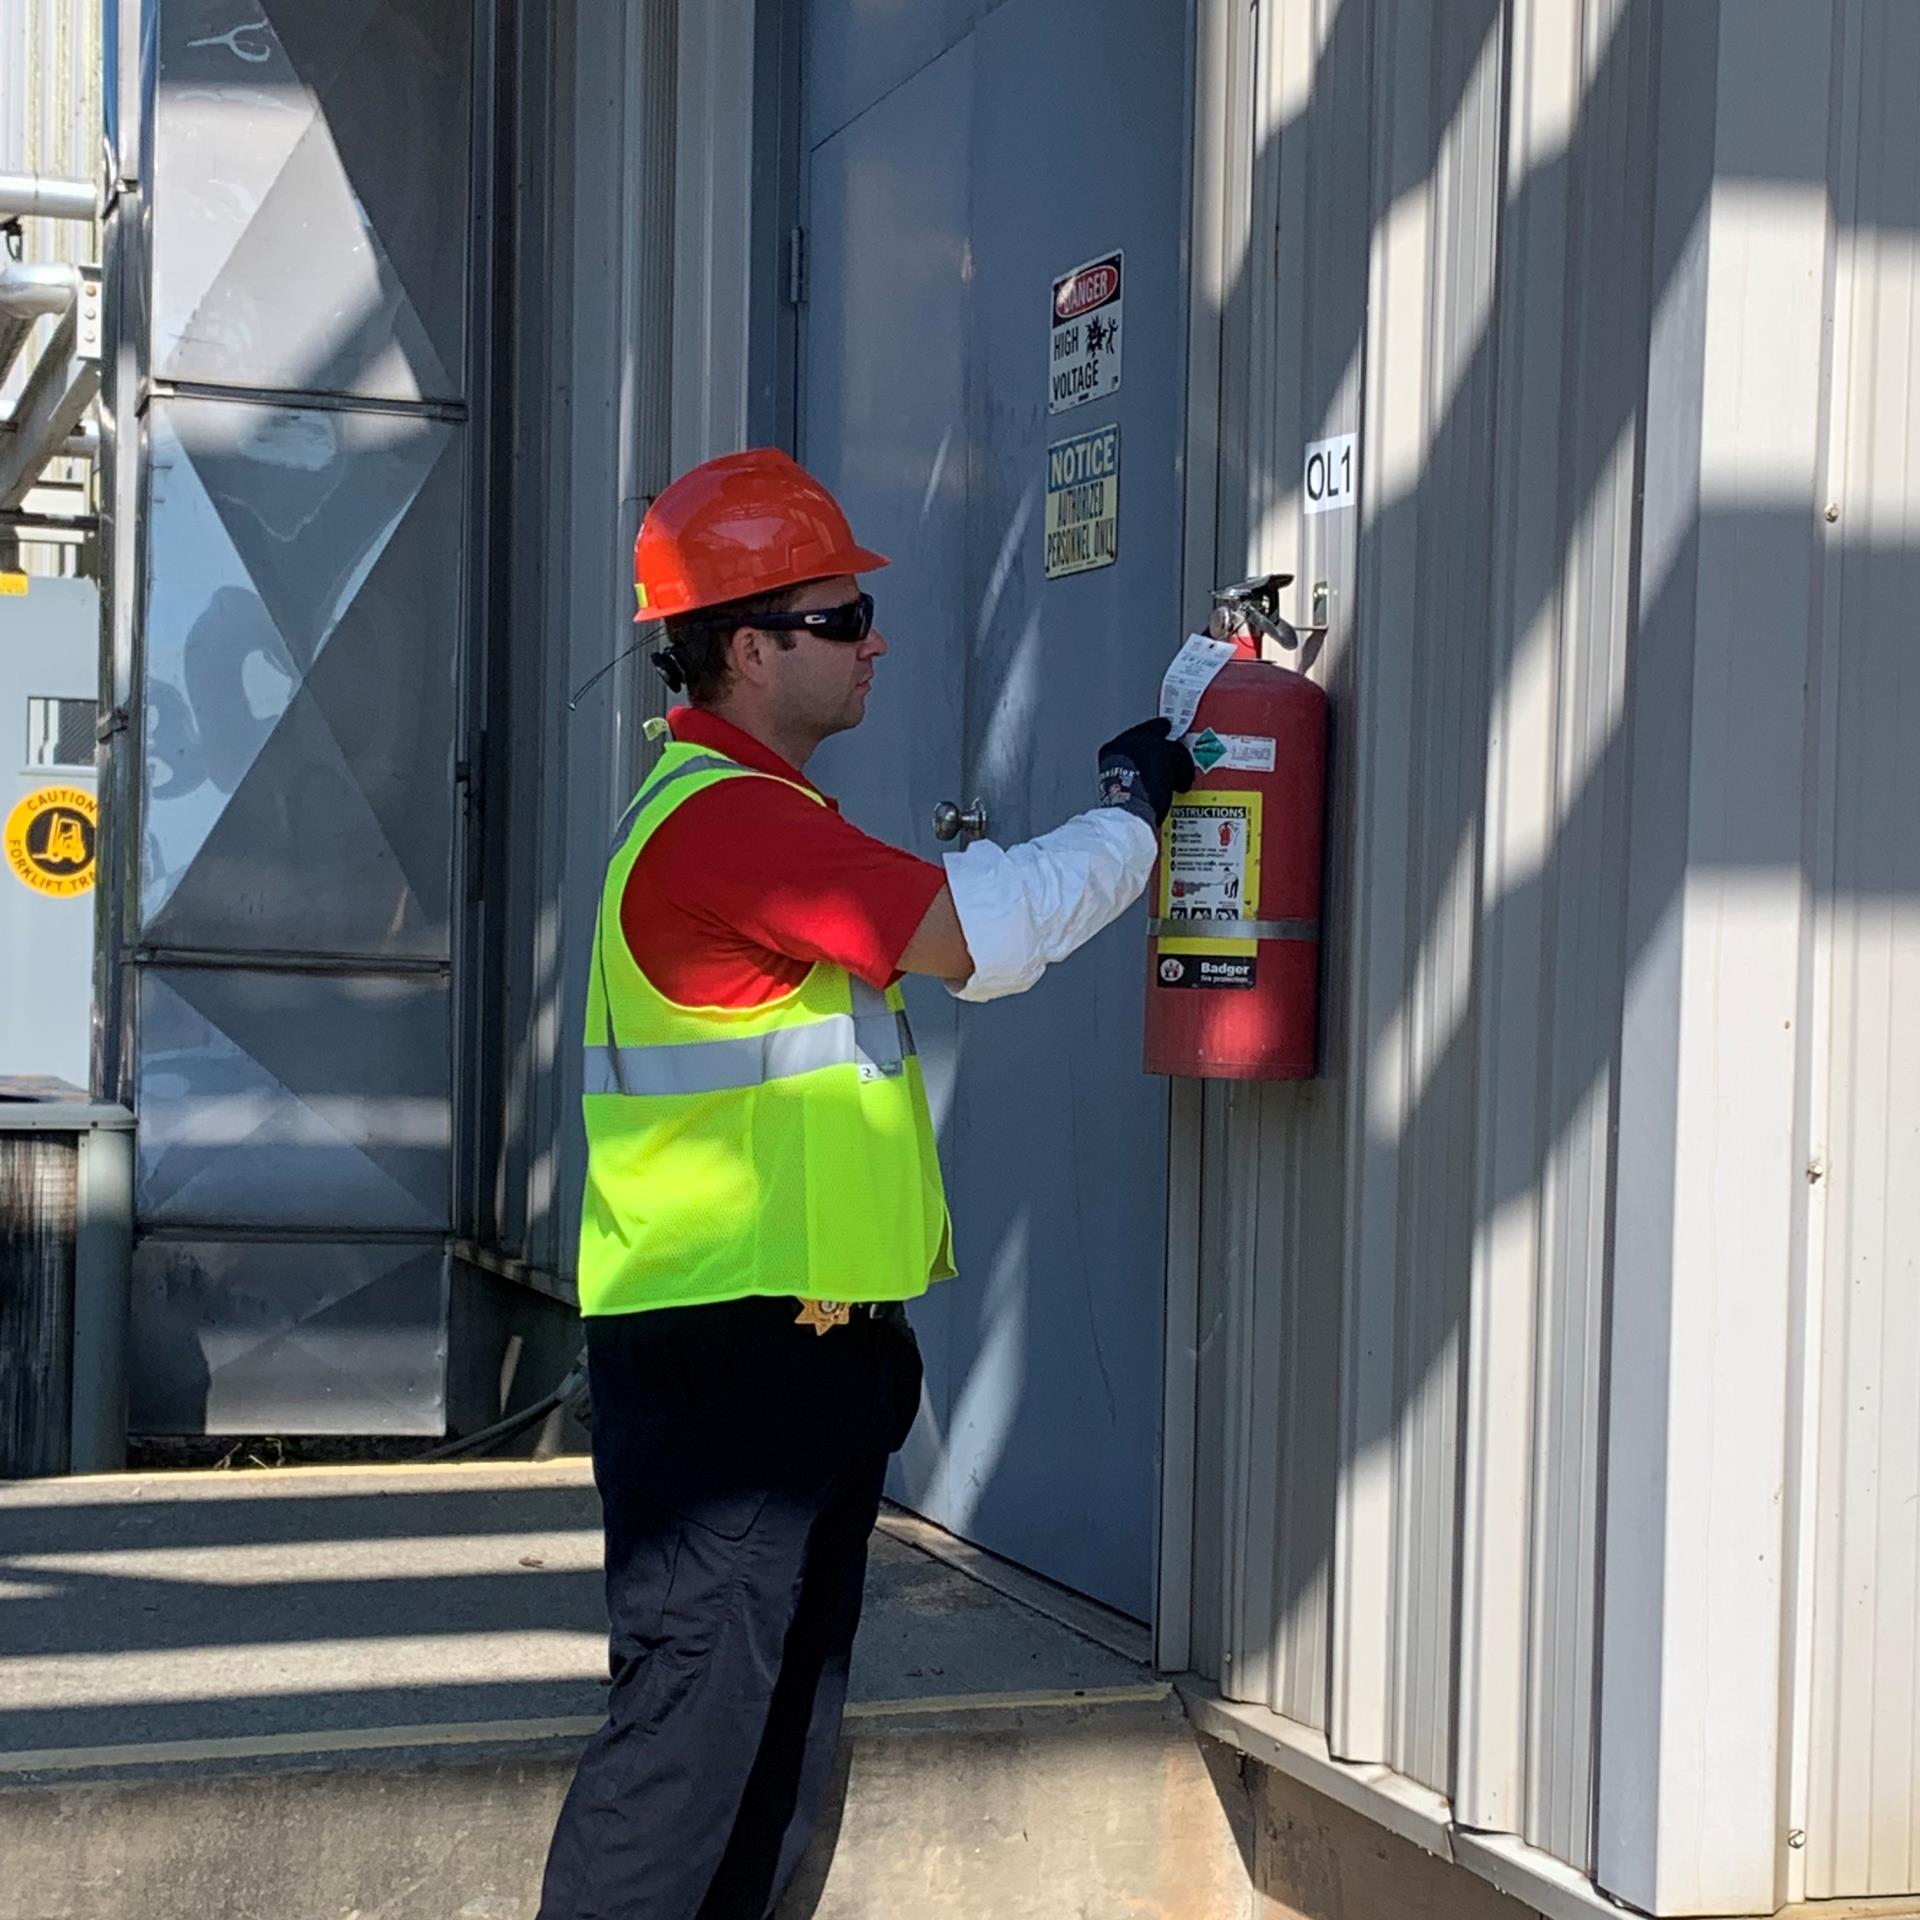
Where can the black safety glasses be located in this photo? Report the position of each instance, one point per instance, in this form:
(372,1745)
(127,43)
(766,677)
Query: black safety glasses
(852,621)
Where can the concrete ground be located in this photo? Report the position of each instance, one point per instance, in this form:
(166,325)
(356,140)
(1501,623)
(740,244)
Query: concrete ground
(145,1614)
(356,1694)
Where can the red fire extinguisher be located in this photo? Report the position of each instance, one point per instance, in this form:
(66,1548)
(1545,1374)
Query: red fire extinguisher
(1233,958)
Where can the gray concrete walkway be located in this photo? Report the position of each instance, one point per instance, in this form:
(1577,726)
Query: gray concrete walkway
(358,1694)
(162,1619)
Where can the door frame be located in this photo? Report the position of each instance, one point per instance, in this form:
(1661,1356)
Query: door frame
(1215,226)
(1216,231)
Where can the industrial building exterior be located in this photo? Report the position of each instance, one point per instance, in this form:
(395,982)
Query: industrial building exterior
(1514,1430)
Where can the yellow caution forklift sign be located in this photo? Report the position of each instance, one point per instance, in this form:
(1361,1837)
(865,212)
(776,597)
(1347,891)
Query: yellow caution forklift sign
(51,838)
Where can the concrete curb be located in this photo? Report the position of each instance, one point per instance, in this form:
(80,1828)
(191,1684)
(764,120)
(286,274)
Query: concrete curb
(1023,1806)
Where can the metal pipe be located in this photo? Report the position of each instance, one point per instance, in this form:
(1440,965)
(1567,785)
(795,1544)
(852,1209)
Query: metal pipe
(67,531)
(28,292)
(29,289)
(83,443)
(40,198)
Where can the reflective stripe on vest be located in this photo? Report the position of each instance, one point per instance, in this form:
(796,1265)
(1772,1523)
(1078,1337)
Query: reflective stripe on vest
(700,763)
(872,1037)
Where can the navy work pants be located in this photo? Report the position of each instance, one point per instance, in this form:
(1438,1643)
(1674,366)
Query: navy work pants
(739,1458)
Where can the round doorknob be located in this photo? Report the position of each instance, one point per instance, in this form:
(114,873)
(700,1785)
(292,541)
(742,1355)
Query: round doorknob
(949,822)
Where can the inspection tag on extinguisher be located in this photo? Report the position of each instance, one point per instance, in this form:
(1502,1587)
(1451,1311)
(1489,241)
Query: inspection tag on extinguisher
(1189,674)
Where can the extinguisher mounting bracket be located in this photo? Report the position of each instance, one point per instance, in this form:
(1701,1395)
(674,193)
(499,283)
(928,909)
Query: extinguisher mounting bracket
(1253,606)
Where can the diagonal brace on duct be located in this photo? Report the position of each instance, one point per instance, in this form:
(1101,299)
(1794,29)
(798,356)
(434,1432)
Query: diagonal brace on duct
(67,376)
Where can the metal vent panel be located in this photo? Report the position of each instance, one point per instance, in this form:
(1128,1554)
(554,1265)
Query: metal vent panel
(300,681)
(290,1100)
(310,195)
(265,1336)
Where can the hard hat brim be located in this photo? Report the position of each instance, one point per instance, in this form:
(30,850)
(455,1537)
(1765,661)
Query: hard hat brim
(855,560)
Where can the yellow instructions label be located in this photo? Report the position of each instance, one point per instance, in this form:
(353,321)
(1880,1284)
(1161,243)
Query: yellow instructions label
(1210,870)
(51,840)
(13,586)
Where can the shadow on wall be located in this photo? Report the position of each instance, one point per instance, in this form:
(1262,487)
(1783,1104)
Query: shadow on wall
(1452,542)
(1450,552)
(1448,549)
(1448,545)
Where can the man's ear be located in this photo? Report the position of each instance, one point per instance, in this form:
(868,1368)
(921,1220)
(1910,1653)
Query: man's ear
(747,654)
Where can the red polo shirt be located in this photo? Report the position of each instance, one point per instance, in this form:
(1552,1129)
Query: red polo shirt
(747,885)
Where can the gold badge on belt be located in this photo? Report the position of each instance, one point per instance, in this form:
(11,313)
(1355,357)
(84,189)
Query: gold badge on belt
(823,1315)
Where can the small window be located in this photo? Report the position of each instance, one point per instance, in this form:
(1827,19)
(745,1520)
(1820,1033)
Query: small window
(59,732)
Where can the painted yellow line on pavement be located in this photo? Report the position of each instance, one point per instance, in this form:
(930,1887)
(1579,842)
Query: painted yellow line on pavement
(474,1733)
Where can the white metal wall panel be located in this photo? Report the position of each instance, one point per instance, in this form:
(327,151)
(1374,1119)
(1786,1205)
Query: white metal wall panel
(1691,1749)
(1271,1285)
(1452,245)
(1492,350)
(1862,1820)
(1430,1031)
(1379,733)
(1571,357)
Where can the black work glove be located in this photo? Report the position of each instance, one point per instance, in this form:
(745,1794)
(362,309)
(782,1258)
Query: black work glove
(1143,768)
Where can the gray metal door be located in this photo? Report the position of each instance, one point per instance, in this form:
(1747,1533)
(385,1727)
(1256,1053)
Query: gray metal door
(958,160)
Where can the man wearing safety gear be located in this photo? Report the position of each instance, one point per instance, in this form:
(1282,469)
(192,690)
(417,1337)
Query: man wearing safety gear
(763,1190)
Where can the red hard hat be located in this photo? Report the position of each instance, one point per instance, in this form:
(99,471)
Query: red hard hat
(747,523)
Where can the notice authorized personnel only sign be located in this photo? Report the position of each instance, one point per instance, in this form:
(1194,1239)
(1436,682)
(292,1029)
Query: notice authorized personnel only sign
(1083,502)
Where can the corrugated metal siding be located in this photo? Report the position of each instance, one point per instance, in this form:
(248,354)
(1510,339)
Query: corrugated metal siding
(50,108)
(1428,1031)
(1437,1204)
(1270,1289)
(1863,1816)
(1573,377)
(1474,236)
(50,120)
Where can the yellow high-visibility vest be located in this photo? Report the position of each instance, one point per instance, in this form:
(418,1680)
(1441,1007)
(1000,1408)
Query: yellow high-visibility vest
(780,1149)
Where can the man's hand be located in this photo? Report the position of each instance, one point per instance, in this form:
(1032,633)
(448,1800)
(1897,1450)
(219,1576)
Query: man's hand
(1142,769)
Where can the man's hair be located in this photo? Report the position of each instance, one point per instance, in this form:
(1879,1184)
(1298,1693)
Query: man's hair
(699,640)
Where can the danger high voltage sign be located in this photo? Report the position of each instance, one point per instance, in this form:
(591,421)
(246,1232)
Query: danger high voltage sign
(1083,360)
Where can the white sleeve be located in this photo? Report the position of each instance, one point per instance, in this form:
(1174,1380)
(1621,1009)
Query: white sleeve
(1024,907)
